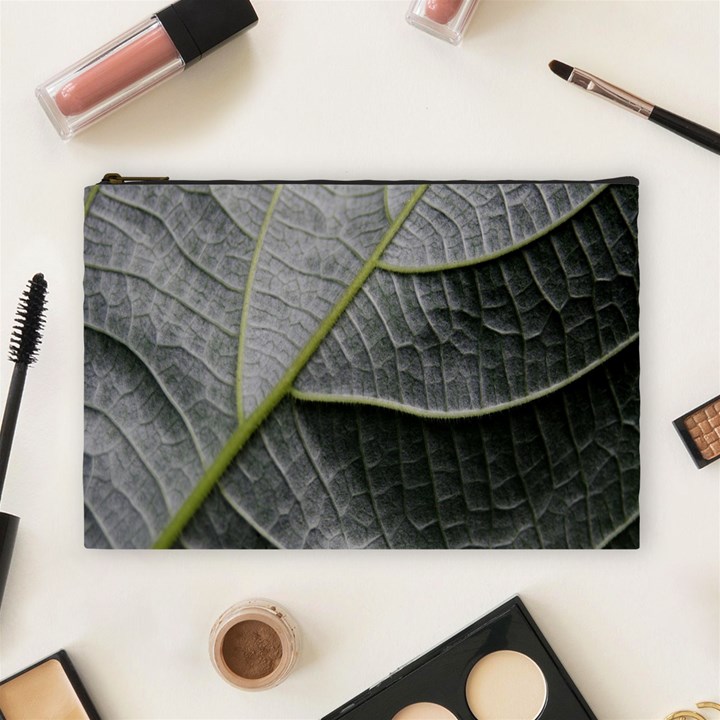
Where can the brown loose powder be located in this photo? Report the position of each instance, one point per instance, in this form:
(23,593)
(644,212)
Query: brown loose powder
(704,428)
(252,649)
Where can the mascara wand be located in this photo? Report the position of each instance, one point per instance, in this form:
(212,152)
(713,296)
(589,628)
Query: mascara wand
(24,344)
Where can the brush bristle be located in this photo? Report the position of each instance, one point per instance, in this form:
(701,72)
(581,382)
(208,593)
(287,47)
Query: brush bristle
(26,335)
(561,69)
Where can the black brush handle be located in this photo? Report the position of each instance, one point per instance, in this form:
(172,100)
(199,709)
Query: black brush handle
(705,137)
(12,407)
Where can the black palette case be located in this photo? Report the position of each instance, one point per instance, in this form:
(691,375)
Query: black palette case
(440,675)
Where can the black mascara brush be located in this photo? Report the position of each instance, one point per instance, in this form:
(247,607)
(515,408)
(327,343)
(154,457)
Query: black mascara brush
(24,344)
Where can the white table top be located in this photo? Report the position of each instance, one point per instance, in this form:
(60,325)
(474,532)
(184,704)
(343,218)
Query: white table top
(345,89)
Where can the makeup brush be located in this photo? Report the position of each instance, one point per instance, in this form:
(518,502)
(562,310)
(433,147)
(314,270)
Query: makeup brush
(698,134)
(24,343)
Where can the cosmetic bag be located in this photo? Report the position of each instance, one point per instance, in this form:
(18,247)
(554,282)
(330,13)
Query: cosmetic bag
(361,364)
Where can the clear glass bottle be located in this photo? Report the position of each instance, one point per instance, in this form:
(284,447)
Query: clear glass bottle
(255,644)
(445,19)
(140,59)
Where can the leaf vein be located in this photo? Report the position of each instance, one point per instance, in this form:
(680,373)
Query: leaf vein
(318,472)
(158,381)
(129,273)
(246,303)
(136,450)
(618,531)
(246,517)
(422,269)
(241,435)
(176,241)
(311,396)
(100,521)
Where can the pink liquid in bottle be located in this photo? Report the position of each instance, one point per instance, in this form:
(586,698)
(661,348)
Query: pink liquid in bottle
(119,70)
(442,11)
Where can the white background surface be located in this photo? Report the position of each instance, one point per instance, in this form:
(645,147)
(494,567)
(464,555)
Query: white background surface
(347,90)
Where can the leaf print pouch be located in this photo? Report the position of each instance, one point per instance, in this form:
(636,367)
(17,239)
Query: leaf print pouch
(361,364)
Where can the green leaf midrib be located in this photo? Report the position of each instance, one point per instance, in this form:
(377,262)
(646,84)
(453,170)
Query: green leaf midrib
(247,428)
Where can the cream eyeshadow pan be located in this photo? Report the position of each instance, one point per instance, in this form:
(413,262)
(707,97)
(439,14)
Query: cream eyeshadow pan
(499,667)
(424,711)
(506,684)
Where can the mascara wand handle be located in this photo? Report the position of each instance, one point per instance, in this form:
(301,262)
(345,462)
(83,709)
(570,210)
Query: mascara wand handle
(12,407)
(705,137)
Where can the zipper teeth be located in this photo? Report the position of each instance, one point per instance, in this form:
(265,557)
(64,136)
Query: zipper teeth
(119,180)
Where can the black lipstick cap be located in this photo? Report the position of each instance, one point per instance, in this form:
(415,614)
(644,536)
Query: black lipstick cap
(198,26)
(8,531)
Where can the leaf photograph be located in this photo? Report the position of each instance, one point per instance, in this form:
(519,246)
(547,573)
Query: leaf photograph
(349,365)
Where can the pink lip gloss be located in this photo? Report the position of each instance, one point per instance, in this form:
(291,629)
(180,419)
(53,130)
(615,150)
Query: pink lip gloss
(446,19)
(140,59)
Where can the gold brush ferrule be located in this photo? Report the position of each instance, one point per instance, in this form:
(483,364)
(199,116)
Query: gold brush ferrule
(614,94)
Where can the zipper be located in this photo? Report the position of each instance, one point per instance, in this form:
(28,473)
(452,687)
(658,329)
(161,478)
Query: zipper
(118,179)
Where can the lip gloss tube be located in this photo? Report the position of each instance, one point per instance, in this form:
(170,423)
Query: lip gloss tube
(445,19)
(140,59)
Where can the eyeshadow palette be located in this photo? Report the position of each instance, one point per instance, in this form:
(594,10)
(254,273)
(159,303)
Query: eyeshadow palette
(499,667)
(51,689)
(700,431)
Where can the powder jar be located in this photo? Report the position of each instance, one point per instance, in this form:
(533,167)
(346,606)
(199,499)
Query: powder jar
(255,644)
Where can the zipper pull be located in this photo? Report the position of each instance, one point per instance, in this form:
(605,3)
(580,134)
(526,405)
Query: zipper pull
(117,179)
